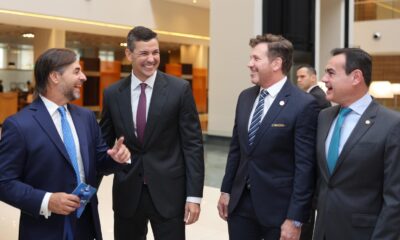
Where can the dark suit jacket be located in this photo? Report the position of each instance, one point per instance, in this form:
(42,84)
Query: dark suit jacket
(171,158)
(320,95)
(33,161)
(361,200)
(281,162)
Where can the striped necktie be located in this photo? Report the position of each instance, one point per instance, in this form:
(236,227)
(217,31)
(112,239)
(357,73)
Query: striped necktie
(257,117)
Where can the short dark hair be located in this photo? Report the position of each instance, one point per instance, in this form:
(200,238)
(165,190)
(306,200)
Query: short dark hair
(356,58)
(278,46)
(139,33)
(54,59)
(310,69)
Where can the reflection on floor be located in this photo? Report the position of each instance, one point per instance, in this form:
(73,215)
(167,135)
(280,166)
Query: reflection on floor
(209,226)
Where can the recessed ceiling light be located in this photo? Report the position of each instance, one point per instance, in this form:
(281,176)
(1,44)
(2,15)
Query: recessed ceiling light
(28,35)
(194,1)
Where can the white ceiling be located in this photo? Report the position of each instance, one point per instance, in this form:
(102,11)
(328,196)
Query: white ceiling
(199,3)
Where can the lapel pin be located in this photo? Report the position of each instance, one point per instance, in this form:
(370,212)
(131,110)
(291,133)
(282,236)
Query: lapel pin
(282,103)
(368,122)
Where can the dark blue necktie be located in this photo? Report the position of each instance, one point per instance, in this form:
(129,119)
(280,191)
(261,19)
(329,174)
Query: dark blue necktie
(257,117)
(333,152)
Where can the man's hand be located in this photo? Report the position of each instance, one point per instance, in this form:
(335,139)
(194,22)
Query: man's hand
(119,152)
(289,231)
(223,205)
(192,212)
(63,203)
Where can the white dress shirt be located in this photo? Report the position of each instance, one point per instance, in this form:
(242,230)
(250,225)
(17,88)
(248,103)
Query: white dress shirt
(56,117)
(269,99)
(135,94)
(350,121)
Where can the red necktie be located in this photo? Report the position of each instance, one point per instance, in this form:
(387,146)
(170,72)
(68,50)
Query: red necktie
(141,113)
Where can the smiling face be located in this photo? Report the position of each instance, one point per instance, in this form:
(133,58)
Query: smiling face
(261,67)
(340,86)
(145,58)
(70,81)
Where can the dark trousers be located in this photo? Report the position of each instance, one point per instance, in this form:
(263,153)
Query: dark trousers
(308,228)
(85,227)
(243,222)
(135,227)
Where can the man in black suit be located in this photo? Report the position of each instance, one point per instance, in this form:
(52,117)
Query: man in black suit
(358,153)
(157,115)
(307,81)
(269,178)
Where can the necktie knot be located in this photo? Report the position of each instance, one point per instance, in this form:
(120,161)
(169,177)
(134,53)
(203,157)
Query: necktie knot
(143,86)
(62,111)
(263,94)
(344,111)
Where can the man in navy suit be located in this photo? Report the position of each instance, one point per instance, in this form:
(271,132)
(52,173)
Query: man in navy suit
(268,184)
(49,147)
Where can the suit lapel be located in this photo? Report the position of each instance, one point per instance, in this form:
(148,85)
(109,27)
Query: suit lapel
(366,121)
(279,103)
(45,121)
(324,125)
(125,109)
(158,99)
(82,136)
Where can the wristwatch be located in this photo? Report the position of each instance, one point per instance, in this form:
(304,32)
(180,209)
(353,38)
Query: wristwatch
(297,224)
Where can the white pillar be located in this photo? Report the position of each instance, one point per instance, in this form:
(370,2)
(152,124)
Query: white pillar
(232,24)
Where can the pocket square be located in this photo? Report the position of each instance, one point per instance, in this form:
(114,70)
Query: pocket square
(278,125)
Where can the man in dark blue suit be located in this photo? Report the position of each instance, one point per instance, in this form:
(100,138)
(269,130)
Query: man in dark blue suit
(48,148)
(268,184)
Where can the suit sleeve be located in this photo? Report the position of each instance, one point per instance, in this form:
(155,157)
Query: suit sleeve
(304,172)
(233,160)
(13,155)
(106,123)
(387,226)
(192,144)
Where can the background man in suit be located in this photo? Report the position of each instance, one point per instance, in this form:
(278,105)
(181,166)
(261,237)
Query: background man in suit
(358,152)
(307,81)
(41,161)
(269,177)
(157,115)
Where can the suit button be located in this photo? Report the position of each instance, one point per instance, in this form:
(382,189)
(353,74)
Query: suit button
(140,175)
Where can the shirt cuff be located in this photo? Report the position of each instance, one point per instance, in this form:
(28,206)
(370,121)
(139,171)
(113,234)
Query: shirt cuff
(44,208)
(194,199)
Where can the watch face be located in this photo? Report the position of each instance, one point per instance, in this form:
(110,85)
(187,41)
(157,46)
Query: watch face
(297,224)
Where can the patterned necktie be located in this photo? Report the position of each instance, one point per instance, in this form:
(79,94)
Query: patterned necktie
(69,142)
(141,113)
(333,152)
(257,117)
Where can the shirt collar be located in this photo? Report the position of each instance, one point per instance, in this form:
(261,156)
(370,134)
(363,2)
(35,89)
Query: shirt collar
(50,105)
(150,81)
(361,104)
(276,87)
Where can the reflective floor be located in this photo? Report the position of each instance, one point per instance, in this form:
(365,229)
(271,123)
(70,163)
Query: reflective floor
(209,226)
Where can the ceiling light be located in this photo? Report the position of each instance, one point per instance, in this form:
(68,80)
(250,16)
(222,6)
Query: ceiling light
(194,1)
(28,35)
(123,44)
